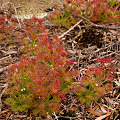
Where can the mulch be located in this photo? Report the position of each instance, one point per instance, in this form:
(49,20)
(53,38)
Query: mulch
(84,43)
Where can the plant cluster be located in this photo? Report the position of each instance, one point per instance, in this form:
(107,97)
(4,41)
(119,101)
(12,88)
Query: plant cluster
(7,29)
(40,80)
(33,31)
(96,82)
(63,18)
(94,10)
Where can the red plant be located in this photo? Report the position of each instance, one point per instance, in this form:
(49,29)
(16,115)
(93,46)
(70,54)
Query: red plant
(40,77)
(96,82)
(95,10)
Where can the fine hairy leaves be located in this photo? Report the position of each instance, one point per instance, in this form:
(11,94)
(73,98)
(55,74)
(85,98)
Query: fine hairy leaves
(39,81)
(96,82)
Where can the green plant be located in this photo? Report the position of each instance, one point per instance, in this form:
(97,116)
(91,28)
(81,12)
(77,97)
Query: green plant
(36,118)
(62,18)
(40,80)
(101,11)
(7,29)
(96,82)
(112,2)
(96,11)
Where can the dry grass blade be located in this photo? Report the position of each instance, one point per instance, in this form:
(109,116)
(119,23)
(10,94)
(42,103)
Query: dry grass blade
(5,87)
(102,108)
(94,112)
(102,117)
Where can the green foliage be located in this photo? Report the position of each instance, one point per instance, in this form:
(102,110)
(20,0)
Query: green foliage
(39,81)
(96,82)
(7,29)
(101,11)
(112,2)
(63,18)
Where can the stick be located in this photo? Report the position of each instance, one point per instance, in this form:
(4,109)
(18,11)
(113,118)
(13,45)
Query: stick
(70,29)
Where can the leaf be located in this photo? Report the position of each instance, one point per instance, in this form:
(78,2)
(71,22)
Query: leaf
(44,33)
(71,52)
(11,52)
(7,116)
(118,83)
(94,112)
(76,83)
(102,108)
(103,116)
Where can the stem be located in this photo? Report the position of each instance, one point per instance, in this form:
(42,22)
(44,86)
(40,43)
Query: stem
(14,96)
(115,10)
